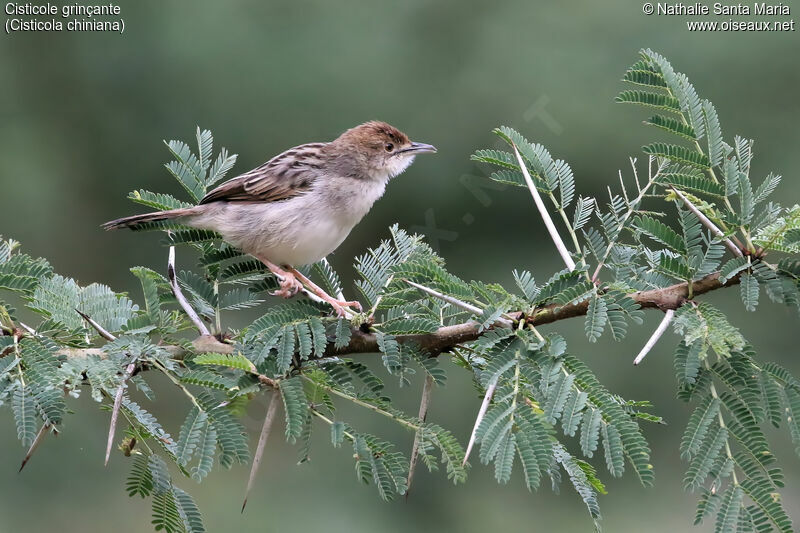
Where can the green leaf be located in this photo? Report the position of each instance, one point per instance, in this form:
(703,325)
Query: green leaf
(673,126)
(579,479)
(729,510)
(557,395)
(731,268)
(150,281)
(21,273)
(660,232)
(768,502)
(596,318)
(699,423)
(159,472)
(189,436)
(190,236)
(188,511)
(186,169)
(612,446)
(767,187)
(231,437)
(165,513)
(590,431)
(239,298)
(295,406)
(706,505)
(649,99)
(235,361)
(793,415)
(222,164)
(703,462)
(677,153)
(688,179)
(390,349)
(496,157)
(342,334)
(749,291)
(573,411)
(504,460)
(583,212)
(716,146)
(674,266)
(22,404)
(206,448)
(59,298)
(162,202)
(140,480)
(644,76)
(149,423)
(337,434)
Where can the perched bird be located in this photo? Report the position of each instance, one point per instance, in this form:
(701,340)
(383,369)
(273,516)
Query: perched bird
(299,206)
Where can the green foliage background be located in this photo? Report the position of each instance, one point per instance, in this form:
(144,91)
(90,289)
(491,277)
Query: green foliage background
(82,116)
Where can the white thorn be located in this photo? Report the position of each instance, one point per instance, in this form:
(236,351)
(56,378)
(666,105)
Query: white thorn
(481,412)
(662,327)
(548,222)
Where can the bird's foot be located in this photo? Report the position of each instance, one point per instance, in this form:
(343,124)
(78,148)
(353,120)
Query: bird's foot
(289,285)
(340,306)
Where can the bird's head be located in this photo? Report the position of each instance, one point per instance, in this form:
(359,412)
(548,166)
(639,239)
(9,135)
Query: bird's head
(379,150)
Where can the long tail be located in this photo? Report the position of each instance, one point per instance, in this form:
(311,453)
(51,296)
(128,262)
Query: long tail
(136,221)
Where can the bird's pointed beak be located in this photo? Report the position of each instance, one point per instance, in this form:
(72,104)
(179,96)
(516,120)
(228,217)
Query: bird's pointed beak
(418,148)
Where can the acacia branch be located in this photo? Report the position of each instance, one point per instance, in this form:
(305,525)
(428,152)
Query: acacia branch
(447,337)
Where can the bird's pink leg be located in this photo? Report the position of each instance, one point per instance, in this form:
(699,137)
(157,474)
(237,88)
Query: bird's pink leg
(288,282)
(338,305)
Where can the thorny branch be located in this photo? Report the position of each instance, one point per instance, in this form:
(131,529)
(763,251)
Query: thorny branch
(447,337)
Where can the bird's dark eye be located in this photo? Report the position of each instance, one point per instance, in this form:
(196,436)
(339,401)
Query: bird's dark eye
(389,147)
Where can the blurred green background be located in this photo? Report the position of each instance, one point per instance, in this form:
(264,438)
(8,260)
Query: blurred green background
(83,116)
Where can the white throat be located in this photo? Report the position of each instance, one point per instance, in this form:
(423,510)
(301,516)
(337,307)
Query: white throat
(397,164)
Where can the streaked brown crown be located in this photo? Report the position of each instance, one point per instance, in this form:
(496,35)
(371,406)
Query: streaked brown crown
(374,133)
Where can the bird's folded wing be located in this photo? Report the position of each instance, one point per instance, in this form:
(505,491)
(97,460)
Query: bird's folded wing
(284,176)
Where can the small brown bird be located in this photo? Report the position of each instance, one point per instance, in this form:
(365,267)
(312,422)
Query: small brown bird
(299,206)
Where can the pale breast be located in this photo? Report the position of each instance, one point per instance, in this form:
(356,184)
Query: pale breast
(297,231)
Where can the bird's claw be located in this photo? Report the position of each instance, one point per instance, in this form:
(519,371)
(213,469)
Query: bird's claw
(340,305)
(289,286)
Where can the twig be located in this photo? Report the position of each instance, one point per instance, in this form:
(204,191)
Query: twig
(176,290)
(100,329)
(424,403)
(662,327)
(177,382)
(707,223)
(631,208)
(481,413)
(402,421)
(548,222)
(35,444)
(330,422)
(262,441)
